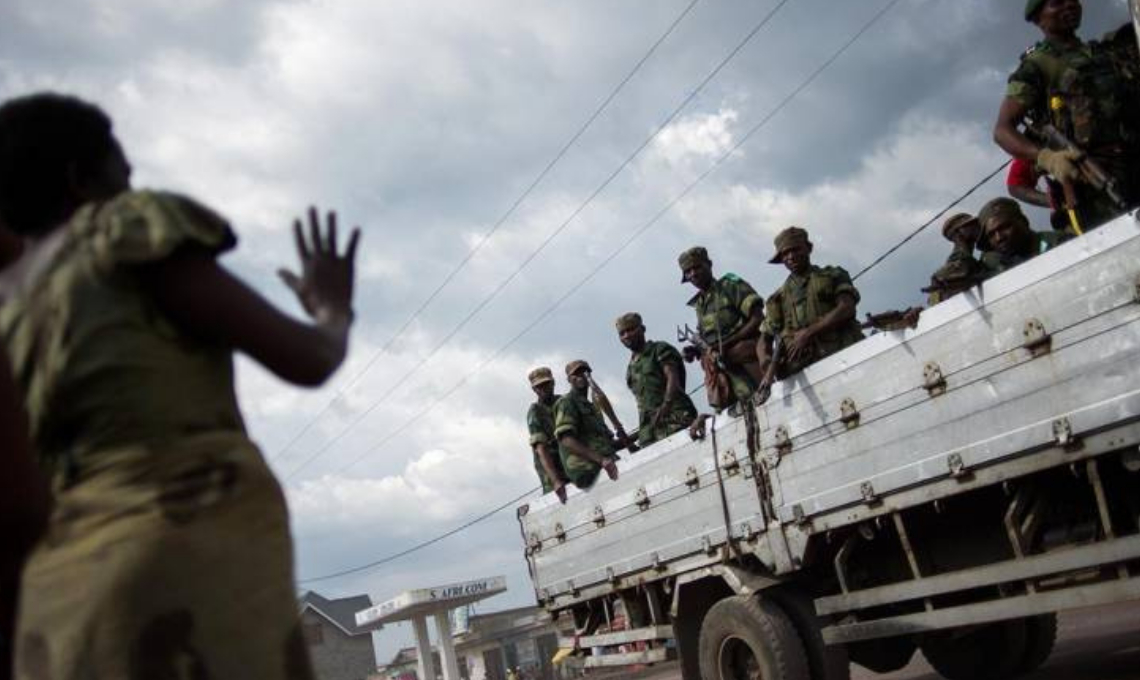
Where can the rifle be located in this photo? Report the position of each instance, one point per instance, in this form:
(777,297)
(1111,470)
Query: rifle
(717,385)
(603,404)
(896,318)
(764,390)
(1093,173)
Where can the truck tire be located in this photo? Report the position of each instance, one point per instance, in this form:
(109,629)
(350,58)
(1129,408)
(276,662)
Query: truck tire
(991,652)
(1040,636)
(826,662)
(743,638)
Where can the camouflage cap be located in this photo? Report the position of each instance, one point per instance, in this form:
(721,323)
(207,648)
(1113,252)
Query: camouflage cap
(577,365)
(540,375)
(955,223)
(788,238)
(1032,7)
(627,321)
(691,257)
(999,209)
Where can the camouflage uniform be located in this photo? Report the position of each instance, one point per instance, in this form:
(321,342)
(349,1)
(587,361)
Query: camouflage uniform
(721,311)
(1040,241)
(962,270)
(540,424)
(575,414)
(1036,243)
(645,376)
(803,300)
(1096,87)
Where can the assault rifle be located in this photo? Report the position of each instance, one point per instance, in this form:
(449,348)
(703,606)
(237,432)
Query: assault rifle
(896,319)
(695,345)
(1094,173)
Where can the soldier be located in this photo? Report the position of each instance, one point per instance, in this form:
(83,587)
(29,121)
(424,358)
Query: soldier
(962,270)
(729,313)
(585,444)
(656,376)
(1007,240)
(540,423)
(813,312)
(1090,92)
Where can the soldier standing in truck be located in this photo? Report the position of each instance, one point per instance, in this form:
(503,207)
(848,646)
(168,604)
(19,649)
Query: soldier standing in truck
(813,311)
(656,376)
(585,444)
(1090,92)
(540,424)
(729,312)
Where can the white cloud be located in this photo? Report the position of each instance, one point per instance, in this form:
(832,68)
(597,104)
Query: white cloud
(699,136)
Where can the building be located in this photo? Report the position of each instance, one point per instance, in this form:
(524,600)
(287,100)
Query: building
(522,638)
(340,649)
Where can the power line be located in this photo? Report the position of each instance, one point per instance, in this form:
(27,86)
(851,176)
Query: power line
(420,546)
(633,237)
(549,238)
(518,498)
(494,228)
(916,232)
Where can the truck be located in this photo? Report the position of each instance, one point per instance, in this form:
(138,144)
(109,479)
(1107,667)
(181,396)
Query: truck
(945,488)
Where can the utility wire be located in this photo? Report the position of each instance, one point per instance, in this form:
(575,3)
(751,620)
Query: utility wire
(420,546)
(548,240)
(694,390)
(630,239)
(916,232)
(688,189)
(494,228)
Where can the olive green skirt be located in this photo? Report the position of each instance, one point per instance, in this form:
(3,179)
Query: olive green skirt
(172,563)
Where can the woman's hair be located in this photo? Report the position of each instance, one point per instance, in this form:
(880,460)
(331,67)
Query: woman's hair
(44,138)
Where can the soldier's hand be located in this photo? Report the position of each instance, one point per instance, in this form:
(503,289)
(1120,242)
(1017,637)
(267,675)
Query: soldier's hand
(325,283)
(611,469)
(800,344)
(1060,165)
(697,428)
(560,491)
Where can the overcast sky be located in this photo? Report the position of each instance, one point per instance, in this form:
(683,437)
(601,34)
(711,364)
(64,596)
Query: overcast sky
(424,120)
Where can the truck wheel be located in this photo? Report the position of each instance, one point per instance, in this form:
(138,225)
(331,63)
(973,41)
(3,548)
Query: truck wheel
(991,652)
(747,638)
(826,662)
(1040,636)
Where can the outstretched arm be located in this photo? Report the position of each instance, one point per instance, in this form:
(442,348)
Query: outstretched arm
(207,301)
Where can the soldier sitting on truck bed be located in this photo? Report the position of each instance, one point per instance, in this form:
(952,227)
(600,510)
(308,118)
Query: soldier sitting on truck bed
(585,444)
(540,423)
(656,376)
(1007,240)
(813,313)
(962,270)
(729,312)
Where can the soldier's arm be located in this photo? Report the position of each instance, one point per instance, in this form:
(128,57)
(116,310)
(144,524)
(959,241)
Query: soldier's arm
(578,448)
(846,298)
(751,327)
(546,459)
(1006,132)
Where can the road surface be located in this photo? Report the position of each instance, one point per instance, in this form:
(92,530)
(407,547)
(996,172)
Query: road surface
(1098,643)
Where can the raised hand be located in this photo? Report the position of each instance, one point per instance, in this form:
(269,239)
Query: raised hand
(325,283)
